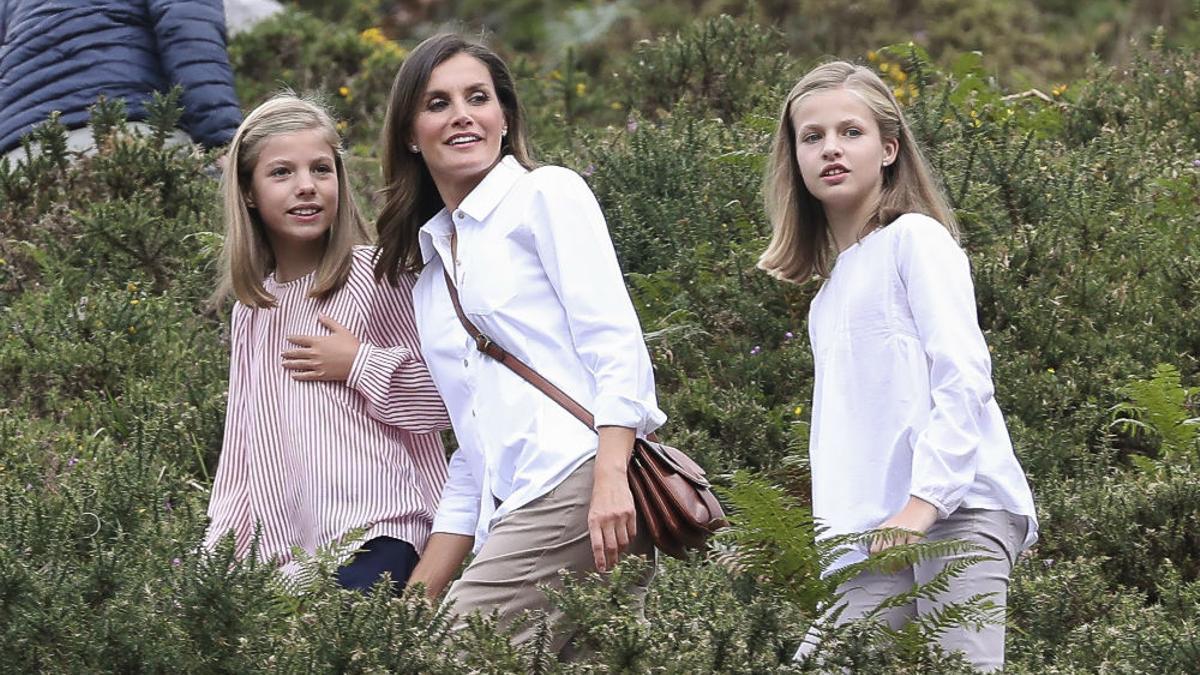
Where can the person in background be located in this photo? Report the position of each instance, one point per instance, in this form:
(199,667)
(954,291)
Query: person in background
(61,55)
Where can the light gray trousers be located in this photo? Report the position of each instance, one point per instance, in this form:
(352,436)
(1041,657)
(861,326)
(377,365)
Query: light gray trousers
(1001,534)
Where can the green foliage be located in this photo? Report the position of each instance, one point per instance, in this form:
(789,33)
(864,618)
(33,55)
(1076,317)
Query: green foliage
(1078,212)
(1159,407)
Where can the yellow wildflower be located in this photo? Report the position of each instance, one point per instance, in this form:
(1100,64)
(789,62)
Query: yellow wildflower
(131,287)
(132,330)
(900,75)
(344,91)
(872,56)
(373,36)
(555,75)
(615,105)
(341,125)
(799,409)
(1059,89)
(1050,370)
(580,88)
(3,261)
(134,301)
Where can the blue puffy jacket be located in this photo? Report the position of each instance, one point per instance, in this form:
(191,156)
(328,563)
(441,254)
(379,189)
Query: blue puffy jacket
(62,54)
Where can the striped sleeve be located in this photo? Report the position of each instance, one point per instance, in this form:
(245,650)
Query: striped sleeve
(393,379)
(229,507)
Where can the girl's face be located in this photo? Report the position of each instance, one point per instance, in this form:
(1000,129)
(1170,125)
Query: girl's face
(839,149)
(459,125)
(294,186)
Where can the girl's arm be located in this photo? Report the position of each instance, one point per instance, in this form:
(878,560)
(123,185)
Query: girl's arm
(573,245)
(229,506)
(393,379)
(937,279)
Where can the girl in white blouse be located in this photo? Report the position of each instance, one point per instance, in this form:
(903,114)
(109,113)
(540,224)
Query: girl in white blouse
(906,432)
(531,490)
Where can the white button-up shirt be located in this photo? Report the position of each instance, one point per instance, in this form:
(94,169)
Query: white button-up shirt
(903,401)
(536,272)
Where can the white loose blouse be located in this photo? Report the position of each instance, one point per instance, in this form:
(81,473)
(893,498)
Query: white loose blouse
(903,403)
(536,272)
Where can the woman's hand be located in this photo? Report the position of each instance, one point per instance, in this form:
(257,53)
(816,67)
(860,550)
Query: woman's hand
(917,515)
(612,520)
(319,357)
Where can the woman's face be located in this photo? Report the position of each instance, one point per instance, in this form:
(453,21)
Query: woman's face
(459,126)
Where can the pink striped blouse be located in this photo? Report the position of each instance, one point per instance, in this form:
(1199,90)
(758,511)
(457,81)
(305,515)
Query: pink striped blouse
(310,461)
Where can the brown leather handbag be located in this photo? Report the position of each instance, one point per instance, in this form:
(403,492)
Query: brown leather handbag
(670,490)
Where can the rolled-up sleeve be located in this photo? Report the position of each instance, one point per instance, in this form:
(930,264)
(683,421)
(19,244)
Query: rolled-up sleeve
(573,244)
(937,279)
(458,510)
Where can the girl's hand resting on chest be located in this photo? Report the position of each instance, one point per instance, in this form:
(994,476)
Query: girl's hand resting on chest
(322,357)
(917,515)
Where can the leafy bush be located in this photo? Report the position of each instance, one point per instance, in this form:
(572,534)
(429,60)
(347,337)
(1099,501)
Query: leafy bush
(113,373)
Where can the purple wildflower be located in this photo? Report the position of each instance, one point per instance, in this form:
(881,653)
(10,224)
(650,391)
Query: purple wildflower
(631,125)
(73,461)
(788,335)
(175,562)
(1196,163)
(755,351)
(591,169)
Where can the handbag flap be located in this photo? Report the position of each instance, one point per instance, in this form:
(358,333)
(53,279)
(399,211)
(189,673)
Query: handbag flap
(678,462)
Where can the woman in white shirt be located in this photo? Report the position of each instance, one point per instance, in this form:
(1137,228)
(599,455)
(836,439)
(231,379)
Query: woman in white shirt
(531,490)
(906,432)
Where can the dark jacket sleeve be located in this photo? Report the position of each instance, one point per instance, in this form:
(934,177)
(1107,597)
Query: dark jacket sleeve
(191,45)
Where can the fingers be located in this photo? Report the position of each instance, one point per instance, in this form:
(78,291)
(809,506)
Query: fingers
(303,340)
(610,536)
(293,354)
(331,324)
(299,364)
(309,375)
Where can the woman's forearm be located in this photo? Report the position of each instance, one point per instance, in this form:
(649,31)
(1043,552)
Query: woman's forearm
(440,561)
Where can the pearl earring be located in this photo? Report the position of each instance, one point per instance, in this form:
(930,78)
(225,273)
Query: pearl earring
(504,132)
(414,148)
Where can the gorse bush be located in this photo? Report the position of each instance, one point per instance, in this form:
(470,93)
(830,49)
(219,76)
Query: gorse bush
(1078,213)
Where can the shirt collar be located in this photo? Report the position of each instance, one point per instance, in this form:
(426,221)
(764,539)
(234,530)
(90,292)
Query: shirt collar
(479,204)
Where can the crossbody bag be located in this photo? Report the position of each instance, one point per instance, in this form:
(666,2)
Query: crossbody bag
(670,490)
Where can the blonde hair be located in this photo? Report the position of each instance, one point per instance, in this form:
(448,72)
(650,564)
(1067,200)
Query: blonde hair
(801,245)
(411,198)
(247,257)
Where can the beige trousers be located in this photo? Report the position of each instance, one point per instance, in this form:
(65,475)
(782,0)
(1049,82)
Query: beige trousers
(526,550)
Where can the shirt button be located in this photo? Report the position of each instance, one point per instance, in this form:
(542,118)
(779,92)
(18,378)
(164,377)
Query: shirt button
(472,413)
(458,214)
(465,365)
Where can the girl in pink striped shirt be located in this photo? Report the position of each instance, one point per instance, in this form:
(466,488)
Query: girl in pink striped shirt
(329,434)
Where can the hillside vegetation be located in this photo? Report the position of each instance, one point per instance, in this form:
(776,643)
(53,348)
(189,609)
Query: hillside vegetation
(1079,212)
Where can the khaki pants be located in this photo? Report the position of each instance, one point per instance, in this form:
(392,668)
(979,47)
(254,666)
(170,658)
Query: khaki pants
(1000,533)
(526,550)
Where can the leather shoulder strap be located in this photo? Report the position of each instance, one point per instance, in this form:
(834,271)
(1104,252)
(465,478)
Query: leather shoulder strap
(484,344)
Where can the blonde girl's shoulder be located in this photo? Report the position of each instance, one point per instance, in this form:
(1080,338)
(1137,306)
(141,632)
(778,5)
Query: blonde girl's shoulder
(918,227)
(362,269)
